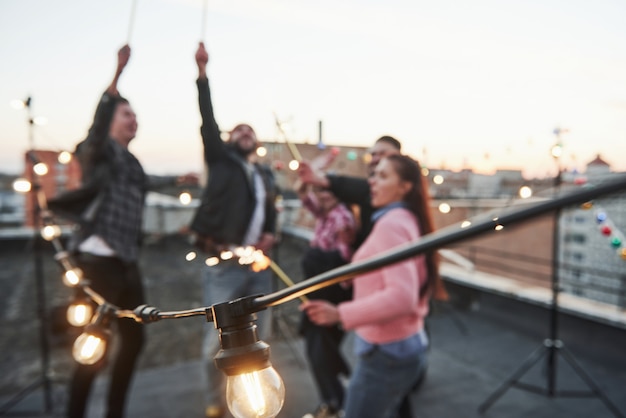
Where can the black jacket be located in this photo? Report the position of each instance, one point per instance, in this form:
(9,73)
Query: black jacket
(228,199)
(355,191)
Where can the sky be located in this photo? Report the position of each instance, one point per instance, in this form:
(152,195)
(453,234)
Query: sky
(481,84)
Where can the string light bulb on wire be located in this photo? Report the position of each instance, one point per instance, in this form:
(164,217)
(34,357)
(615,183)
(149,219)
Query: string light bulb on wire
(253,387)
(90,346)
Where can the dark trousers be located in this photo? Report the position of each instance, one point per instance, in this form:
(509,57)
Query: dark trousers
(323,344)
(120,284)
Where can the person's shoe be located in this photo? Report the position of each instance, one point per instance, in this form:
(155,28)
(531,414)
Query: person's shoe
(324,411)
(214,411)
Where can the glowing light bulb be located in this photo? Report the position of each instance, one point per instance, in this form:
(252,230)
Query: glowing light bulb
(88,348)
(64,157)
(18,104)
(185,198)
(191,255)
(212,261)
(294,165)
(50,232)
(79,313)
(525,192)
(258,394)
(22,186)
(72,277)
(40,169)
(261,151)
(444,208)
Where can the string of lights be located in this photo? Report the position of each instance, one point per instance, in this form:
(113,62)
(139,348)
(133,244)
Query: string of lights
(254,389)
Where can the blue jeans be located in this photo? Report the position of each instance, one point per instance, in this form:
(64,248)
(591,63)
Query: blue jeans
(380,382)
(222,283)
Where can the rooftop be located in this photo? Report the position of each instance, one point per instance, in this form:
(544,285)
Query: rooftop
(479,339)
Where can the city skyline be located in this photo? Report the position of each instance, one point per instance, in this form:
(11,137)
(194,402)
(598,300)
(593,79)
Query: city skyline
(481,86)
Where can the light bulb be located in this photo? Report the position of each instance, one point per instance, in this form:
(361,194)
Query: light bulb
(22,185)
(41,169)
(72,277)
(89,348)
(79,313)
(294,165)
(50,232)
(185,198)
(64,157)
(253,388)
(258,394)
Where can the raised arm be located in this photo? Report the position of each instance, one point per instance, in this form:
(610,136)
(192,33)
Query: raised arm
(213,144)
(123,55)
(92,148)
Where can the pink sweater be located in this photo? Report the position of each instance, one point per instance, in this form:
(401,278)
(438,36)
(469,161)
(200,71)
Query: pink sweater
(387,306)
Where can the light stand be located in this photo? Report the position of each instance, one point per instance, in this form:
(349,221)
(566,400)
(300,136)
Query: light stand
(552,346)
(45,379)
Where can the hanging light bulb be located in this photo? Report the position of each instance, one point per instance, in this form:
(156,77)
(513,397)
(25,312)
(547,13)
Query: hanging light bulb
(41,169)
(185,198)
(64,157)
(255,394)
(294,165)
(212,261)
(90,346)
(22,185)
(79,313)
(50,232)
(72,277)
(253,387)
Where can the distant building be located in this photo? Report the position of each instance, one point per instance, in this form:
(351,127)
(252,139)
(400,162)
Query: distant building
(59,177)
(593,246)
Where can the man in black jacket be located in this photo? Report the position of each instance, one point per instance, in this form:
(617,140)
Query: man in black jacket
(237,210)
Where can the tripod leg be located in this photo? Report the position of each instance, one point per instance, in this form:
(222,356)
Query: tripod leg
(527,364)
(589,381)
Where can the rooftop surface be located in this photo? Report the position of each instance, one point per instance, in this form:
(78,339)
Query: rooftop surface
(479,340)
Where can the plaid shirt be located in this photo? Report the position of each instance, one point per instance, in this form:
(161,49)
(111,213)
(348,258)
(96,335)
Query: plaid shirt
(119,218)
(329,225)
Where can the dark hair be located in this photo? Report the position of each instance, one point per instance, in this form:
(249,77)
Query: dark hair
(418,201)
(391,141)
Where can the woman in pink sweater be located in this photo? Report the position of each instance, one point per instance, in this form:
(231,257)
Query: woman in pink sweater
(390,304)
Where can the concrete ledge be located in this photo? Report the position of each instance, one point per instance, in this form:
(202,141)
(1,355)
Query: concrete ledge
(502,286)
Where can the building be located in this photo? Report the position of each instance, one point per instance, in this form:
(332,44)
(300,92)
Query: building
(593,246)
